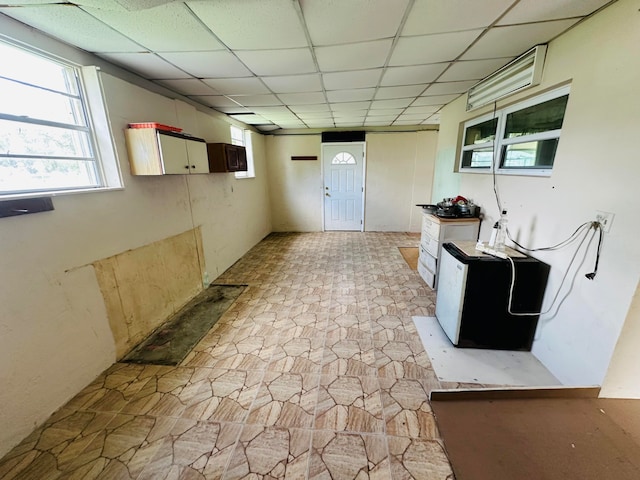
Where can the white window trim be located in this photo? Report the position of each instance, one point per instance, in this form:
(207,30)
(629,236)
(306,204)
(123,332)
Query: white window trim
(500,142)
(107,161)
(248,145)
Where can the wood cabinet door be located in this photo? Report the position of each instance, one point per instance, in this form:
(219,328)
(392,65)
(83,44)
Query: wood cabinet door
(231,152)
(242,159)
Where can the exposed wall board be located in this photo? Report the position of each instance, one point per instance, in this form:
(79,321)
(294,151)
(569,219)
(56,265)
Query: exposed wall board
(143,287)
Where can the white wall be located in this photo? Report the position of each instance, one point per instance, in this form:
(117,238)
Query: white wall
(399,176)
(295,186)
(596,168)
(399,172)
(54,333)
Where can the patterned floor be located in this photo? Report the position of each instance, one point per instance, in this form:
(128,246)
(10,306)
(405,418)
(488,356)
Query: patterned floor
(316,372)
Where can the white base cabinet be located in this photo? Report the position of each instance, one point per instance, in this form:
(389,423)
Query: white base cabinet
(435,232)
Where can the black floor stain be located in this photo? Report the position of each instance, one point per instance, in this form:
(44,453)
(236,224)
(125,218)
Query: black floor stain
(172,341)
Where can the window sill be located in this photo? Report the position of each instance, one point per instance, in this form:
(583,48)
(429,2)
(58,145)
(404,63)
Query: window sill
(18,196)
(243,177)
(512,172)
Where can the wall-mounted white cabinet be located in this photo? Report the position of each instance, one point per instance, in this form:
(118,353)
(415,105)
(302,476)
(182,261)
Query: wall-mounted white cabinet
(160,152)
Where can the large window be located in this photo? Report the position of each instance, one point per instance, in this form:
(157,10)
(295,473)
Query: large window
(47,143)
(519,139)
(243,138)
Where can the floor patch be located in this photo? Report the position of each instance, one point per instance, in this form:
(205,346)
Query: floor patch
(172,341)
(410,255)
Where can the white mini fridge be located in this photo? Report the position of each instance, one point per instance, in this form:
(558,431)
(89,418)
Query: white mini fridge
(473,297)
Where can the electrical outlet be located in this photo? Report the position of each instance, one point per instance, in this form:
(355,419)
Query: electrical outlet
(605,219)
(205,279)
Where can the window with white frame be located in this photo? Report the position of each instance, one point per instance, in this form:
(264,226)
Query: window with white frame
(47,141)
(243,138)
(521,139)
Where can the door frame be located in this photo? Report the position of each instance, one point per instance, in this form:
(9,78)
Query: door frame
(364,178)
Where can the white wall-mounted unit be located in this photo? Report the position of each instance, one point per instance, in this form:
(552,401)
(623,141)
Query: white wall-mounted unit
(523,72)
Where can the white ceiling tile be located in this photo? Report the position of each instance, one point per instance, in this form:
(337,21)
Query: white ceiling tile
(252,25)
(407,122)
(449,87)
(400,92)
(267,111)
(305,109)
(413,117)
(150,28)
(331,22)
(294,83)
(217,101)
(256,100)
(280,119)
(217,64)
(350,123)
(473,69)
(385,111)
(250,119)
(189,86)
(292,125)
(349,106)
(355,79)
(350,116)
(430,109)
(382,118)
(393,103)
(415,75)
(440,47)
(302,98)
(312,115)
(278,62)
(321,125)
(540,10)
(237,86)
(147,64)
(72,25)
(353,95)
(373,123)
(355,56)
(435,99)
(515,40)
(437,16)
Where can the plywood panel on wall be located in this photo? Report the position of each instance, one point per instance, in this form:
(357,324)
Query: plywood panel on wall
(145,286)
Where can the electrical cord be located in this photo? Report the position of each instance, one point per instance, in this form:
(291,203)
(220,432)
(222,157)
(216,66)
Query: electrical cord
(595,226)
(571,238)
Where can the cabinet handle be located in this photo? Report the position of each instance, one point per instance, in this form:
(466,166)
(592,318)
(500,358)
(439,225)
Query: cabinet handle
(193,166)
(186,166)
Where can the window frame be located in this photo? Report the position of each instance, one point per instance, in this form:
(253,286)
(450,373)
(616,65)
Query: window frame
(247,143)
(499,142)
(98,128)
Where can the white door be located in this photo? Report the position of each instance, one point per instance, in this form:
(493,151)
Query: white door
(343,165)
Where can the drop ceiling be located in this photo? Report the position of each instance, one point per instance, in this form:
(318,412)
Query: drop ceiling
(289,64)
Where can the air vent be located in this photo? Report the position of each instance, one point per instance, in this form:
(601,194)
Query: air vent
(523,72)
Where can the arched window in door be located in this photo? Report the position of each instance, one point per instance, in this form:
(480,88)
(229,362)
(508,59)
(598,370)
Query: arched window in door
(343,158)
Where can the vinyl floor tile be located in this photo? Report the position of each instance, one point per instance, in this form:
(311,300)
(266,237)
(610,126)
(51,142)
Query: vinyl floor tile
(315,372)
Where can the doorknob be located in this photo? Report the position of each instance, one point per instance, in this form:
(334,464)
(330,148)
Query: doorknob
(326,188)
(327,195)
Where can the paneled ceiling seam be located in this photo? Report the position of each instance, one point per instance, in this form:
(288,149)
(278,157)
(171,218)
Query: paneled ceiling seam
(145,50)
(452,62)
(229,50)
(396,38)
(305,29)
